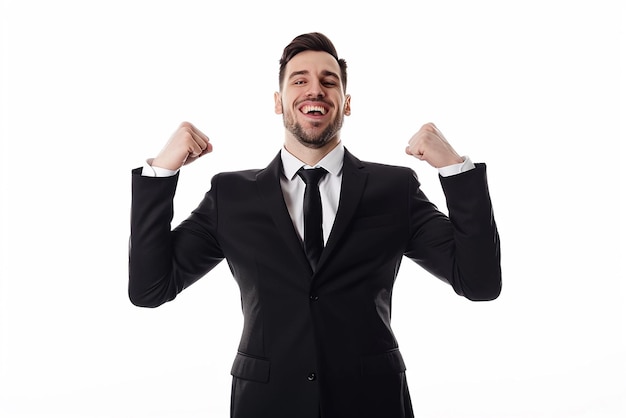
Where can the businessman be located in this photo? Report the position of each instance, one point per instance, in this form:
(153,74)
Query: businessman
(314,241)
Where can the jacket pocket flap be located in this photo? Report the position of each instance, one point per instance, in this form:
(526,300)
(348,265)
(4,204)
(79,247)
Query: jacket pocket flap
(251,368)
(385,363)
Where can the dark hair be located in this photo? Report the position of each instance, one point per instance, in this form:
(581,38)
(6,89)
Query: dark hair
(314,41)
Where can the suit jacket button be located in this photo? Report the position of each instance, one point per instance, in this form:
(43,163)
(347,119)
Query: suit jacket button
(314,298)
(311,377)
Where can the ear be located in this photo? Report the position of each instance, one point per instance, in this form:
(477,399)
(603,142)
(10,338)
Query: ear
(278,103)
(346,106)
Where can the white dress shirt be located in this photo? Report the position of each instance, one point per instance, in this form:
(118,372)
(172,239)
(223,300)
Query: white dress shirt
(330,185)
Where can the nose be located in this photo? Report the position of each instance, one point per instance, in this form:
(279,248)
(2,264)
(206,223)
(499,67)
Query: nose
(316,90)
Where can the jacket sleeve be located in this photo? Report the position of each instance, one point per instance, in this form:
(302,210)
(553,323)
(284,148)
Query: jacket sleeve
(163,262)
(463,248)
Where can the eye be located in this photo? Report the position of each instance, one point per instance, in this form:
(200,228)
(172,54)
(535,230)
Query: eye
(299,82)
(329,83)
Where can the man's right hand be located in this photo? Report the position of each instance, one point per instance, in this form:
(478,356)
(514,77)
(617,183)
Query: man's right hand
(186,145)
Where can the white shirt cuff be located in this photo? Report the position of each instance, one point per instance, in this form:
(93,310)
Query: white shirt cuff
(150,171)
(459,168)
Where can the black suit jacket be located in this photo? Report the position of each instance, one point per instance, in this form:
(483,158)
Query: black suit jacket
(316,343)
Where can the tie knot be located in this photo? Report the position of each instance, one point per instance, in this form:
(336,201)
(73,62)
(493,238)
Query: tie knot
(312,176)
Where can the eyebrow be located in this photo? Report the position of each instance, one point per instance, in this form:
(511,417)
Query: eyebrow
(325,73)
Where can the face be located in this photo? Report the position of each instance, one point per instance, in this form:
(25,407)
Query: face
(312,100)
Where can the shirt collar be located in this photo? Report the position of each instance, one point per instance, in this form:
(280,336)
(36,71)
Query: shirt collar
(332,162)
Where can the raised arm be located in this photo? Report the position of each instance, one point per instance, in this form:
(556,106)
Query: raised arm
(163,262)
(462,249)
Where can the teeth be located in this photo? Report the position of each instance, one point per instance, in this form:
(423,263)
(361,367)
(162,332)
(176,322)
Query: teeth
(309,109)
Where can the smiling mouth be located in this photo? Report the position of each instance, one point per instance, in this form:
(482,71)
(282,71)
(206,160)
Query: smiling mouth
(313,110)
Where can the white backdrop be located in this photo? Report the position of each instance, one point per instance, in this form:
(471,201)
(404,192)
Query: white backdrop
(92,88)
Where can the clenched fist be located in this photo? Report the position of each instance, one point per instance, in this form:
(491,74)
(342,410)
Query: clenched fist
(429,145)
(186,145)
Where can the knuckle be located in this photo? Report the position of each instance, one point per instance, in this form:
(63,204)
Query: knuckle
(186,129)
(185,134)
(430,127)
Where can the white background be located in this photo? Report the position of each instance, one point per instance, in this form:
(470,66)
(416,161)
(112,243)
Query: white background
(92,88)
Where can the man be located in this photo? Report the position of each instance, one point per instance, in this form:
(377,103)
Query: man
(317,340)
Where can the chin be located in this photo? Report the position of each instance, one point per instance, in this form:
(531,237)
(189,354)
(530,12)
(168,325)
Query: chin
(313,144)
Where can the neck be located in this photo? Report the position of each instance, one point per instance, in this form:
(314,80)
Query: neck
(309,156)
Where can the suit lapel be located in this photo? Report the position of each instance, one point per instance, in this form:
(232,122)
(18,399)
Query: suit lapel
(352,186)
(268,181)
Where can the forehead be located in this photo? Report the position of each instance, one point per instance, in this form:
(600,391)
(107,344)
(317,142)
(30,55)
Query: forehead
(313,62)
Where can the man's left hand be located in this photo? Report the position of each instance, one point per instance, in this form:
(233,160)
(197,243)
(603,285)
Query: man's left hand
(429,145)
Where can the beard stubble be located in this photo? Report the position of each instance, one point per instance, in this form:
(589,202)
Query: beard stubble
(312,140)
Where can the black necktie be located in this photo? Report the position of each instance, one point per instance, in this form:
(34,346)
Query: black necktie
(313,238)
